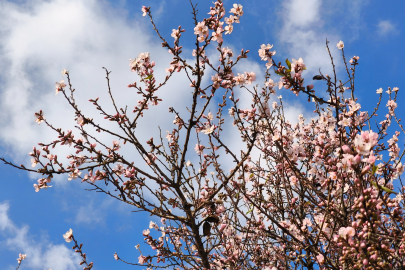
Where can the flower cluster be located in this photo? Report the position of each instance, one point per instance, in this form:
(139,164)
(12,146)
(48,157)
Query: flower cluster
(68,236)
(266,55)
(21,257)
(315,193)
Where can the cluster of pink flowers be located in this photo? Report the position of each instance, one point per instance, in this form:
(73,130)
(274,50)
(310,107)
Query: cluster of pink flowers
(317,193)
(39,117)
(246,78)
(266,55)
(213,23)
(21,257)
(68,236)
(59,86)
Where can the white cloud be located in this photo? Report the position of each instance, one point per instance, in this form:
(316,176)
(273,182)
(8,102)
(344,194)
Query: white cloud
(303,13)
(307,24)
(88,214)
(304,35)
(386,27)
(40,255)
(40,38)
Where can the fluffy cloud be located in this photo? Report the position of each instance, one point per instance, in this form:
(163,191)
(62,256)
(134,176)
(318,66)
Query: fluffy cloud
(307,24)
(40,38)
(386,27)
(40,255)
(304,35)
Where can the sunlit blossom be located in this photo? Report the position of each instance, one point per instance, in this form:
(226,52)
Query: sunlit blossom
(68,236)
(340,45)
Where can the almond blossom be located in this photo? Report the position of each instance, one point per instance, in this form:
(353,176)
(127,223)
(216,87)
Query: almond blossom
(208,129)
(201,29)
(21,257)
(59,86)
(68,235)
(39,117)
(145,10)
(340,45)
(318,193)
(237,10)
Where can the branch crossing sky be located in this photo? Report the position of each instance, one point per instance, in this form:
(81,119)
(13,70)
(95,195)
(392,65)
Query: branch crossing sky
(40,38)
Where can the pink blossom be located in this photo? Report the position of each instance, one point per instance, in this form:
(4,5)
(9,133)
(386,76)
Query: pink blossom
(74,174)
(346,149)
(59,86)
(365,142)
(142,259)
(340,45)
(217,35)
(293,180)
(237,10)
(175,34)
(145,10)
(391,106)
(228,29)
(333,176)
(150,158)
(240,79)
(39,117)
(298,64)
(80,121)
(320,258)
(356,159)
(201,29)
(199,148)
(21,257)
(265,53)
(348,231)
(223,226)
(116,145)
(220,209)
(34,162)
(216,81)
(371,158)
(250,77)
(68,236)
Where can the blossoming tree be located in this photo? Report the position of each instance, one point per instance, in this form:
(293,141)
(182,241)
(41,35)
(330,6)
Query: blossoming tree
(316,194)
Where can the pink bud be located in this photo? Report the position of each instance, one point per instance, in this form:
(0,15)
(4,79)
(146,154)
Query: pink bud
(346,149)
(357,159)
(365,169)
(223,226)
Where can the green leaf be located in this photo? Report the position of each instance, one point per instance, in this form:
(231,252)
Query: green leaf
(150,76)
(381,187)
(251,209)
(288,63)
(374,169)
(279,73)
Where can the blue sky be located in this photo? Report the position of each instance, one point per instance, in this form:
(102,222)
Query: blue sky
(39,38)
